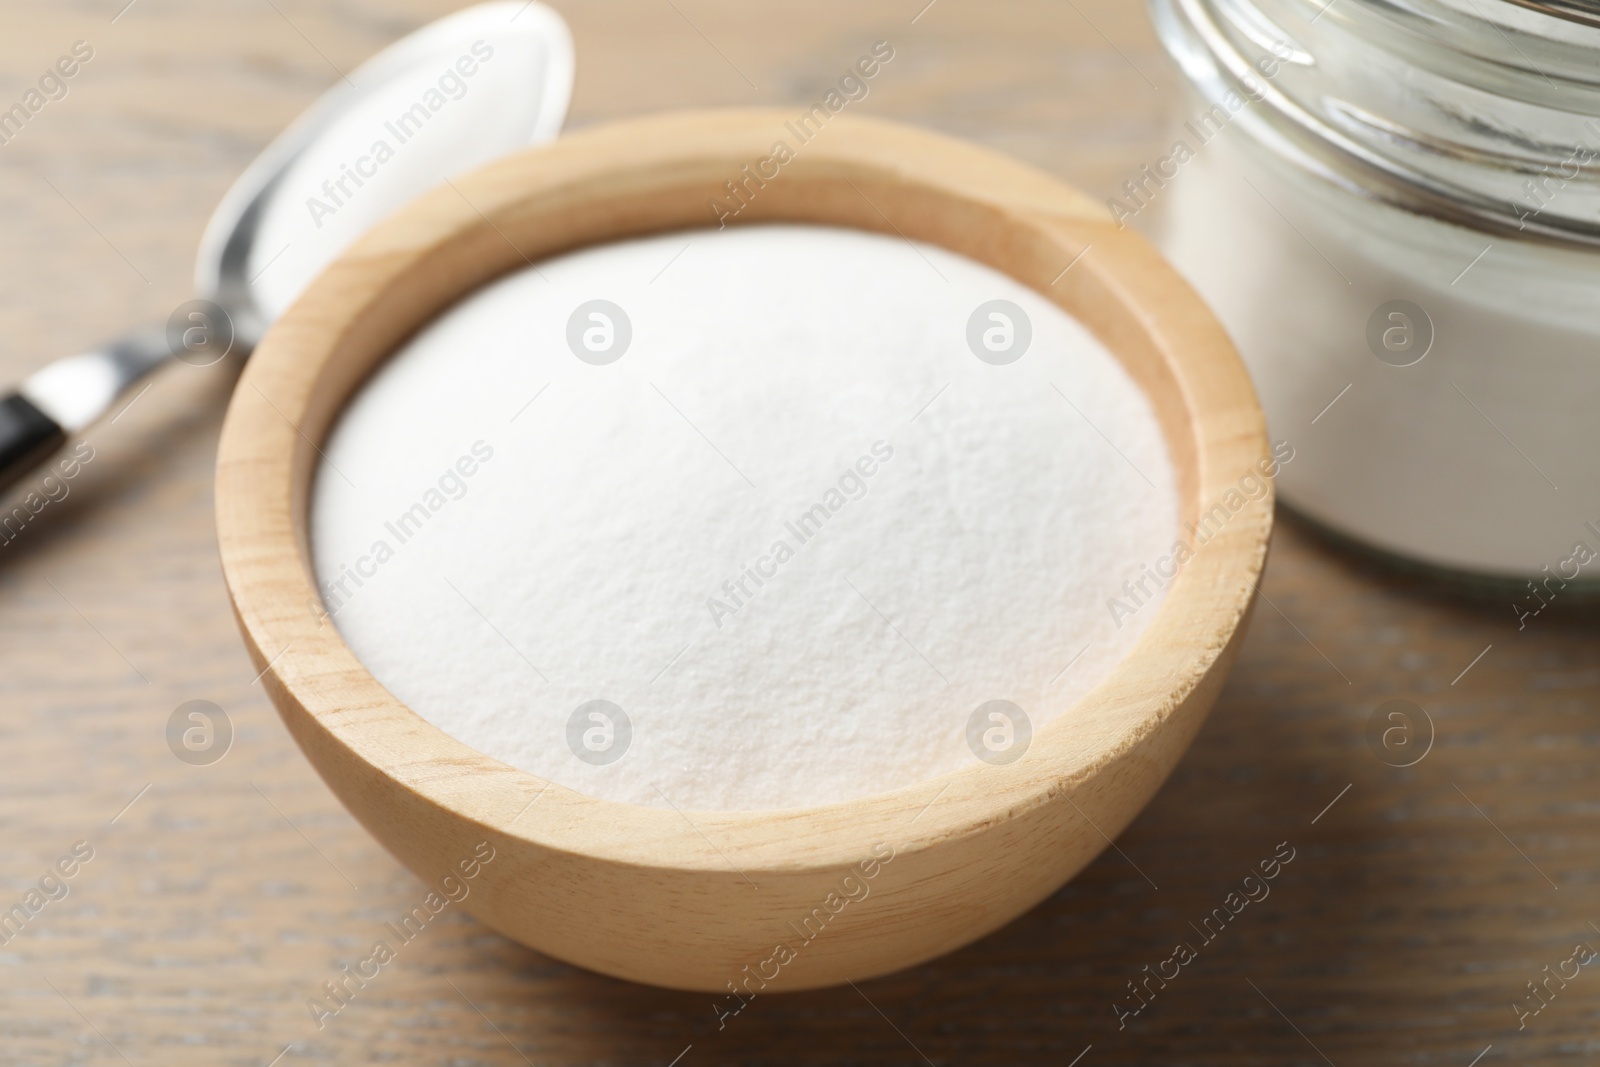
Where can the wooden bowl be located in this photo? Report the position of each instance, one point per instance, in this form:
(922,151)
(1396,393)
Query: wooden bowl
(738,902)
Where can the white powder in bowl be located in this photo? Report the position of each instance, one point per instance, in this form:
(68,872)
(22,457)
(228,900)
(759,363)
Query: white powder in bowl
(760,531)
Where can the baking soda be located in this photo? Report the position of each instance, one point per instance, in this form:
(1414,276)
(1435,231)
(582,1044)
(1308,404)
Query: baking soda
(1429,378)
(766,517)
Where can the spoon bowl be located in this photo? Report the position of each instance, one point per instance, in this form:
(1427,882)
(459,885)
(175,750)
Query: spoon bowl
(262,247)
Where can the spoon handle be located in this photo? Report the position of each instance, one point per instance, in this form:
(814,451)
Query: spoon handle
(68,394)
(27,436)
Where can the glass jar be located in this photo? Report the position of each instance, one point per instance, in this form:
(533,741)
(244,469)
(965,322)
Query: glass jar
(1393,206)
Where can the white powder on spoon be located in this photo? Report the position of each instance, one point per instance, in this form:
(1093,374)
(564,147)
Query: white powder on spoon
(797,531)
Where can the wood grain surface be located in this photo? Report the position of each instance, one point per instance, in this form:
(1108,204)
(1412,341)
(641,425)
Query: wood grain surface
(1415,910)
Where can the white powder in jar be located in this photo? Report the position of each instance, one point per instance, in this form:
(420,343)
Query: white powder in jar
(1430,378)
(765,512)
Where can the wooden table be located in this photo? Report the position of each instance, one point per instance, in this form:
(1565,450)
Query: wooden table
(219,898)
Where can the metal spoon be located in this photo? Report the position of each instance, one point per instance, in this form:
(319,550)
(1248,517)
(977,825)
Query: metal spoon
(425,83)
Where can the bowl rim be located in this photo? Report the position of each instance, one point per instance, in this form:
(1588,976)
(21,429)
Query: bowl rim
(659,173)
